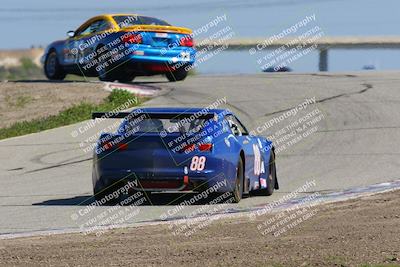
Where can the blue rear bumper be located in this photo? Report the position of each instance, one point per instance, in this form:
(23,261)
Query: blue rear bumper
(179,56)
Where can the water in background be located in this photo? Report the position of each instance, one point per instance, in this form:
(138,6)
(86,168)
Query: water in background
(24,23)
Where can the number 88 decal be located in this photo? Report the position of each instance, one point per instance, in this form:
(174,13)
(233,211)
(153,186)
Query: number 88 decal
(198,163)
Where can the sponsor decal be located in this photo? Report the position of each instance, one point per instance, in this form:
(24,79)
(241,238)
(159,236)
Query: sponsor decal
(259,142)
(185,56)
(256,185)
(263,183)
(198,163)
(257,160)
(161,34)
(138,53)
(262,167)
(228,144)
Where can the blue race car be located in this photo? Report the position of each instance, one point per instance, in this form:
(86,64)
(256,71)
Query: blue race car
(181,150)
(120,47)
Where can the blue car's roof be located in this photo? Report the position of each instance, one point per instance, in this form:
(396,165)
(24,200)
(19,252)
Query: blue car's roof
(186,110)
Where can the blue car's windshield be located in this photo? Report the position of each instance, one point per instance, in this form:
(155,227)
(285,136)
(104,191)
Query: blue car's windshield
(166,125)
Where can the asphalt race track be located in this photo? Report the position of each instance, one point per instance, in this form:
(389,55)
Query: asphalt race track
(45,178)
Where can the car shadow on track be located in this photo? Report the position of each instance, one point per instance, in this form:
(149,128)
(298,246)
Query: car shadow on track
(73,201)
(81,81)
(45,81)
(164,199)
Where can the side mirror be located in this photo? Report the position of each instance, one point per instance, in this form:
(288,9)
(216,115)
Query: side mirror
(71,34)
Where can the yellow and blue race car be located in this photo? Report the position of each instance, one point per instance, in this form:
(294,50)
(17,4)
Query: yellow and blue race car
(120,47)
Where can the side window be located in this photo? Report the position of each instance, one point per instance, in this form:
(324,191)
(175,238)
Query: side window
(236,126)
(99,26)
(241,126)
(96,26)
(84,31)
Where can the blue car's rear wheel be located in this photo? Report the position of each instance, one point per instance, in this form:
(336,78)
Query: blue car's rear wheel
(271,180)
(52,68)
(176,75)
(238,190)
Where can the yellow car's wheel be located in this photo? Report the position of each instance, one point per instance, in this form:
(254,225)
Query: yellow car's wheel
(52,68)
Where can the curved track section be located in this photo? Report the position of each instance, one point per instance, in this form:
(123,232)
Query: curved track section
(350,140)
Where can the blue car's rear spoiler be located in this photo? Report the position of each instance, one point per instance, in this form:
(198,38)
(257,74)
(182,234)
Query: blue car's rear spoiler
(158,115)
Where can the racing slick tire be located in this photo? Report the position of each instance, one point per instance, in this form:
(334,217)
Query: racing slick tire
(104,71)
(238,190)
(52,68)
(177,75)
(126,78)
(271,181)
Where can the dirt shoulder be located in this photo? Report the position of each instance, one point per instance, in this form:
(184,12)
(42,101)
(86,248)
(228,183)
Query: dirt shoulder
(21,101)
(352,233)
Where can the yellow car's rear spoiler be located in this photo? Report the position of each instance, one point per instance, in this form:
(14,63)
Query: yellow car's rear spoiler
(157,28)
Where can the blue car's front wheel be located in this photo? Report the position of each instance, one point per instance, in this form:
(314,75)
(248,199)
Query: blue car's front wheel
(125,78)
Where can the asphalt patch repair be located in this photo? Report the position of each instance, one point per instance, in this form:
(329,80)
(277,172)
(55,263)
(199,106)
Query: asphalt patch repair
(357,232)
